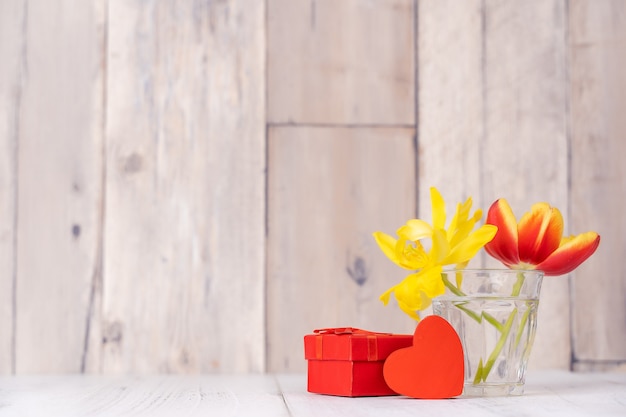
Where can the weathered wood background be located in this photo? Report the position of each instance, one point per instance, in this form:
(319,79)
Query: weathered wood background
(191,185)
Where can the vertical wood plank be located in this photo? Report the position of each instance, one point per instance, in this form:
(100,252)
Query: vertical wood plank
(329,190)
(11,48)
(492,122)
(348,61)
(525,149)
(59,182)
(184,260)
(450,101)
(598,83)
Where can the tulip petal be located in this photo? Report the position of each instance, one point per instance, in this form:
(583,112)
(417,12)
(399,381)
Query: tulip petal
(570,254)
(504,245)
(540,232)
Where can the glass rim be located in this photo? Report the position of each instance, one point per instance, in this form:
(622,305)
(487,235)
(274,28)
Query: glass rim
(498,270)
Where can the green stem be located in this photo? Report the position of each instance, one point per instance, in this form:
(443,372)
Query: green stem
(479,372)
(451,287)
(496,351)
(478,318)
(491,319)
(520,328)
(518,284)
(484,371)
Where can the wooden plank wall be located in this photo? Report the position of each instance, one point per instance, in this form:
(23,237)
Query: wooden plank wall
(597,49)
(184,229)
(53,101)
(341,164)
(11,68)
(191,186)
(499,124)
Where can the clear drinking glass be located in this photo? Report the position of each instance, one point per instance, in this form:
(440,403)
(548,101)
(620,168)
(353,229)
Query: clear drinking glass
(495,315)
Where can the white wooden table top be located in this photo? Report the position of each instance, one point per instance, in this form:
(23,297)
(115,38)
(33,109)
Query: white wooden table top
(551,393)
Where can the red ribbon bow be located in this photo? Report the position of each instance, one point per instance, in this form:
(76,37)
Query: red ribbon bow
(346,330)
(372,346)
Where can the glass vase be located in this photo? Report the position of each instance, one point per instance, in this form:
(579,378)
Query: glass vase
(495,315)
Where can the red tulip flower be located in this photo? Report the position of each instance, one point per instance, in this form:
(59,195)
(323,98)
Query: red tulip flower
(537,241)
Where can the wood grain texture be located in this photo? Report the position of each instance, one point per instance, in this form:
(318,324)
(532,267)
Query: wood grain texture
(347,62)
(525,148)
(597,44)
(450,102)
(154,396)
(492,102)
(184,260)
(12,14)
(59,164)
(329,189)
(133,169)
(547,393)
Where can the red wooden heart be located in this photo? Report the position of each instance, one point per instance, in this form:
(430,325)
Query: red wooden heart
(433,367)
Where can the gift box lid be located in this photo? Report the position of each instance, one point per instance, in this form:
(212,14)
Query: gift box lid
(352,344)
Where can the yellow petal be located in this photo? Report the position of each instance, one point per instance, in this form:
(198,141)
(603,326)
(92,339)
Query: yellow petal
(399,249)
(463,230)
(478,214)
(411,313)
(408,292)
(458,275)
(415,229)
(431,283)
(417,291)
(438,209)
(414,257)
(388,245)
(460,217)
(384,297)
(441,247)
(466,250)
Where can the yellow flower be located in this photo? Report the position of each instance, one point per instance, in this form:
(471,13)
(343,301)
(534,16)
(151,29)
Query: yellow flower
(414,292)
(454,246)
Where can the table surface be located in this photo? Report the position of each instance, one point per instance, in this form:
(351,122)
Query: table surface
(548,393)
